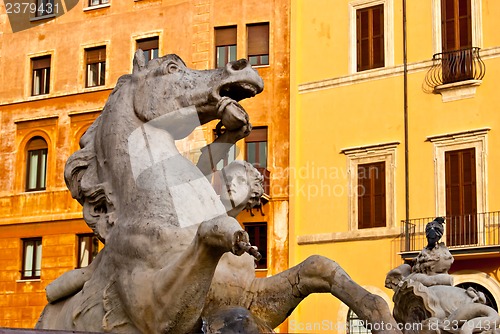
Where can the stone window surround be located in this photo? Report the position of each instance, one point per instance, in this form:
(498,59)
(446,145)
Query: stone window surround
(29,75)
(356,155)
(388,31)
(462,89)
(88,7)
(149,34)
(456,141)
(25,131)
(369,154)
(478,277)
(83,67)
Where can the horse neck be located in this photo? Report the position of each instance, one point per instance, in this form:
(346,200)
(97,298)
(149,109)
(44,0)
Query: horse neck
(124,160)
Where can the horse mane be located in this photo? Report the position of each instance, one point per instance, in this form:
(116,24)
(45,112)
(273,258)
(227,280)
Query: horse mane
(80,173)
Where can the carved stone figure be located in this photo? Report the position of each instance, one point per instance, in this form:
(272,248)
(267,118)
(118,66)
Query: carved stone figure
(424,295)
(175,260)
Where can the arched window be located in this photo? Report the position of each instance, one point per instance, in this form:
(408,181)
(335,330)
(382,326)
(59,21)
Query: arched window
(36,164)
(490,300)
(355,324)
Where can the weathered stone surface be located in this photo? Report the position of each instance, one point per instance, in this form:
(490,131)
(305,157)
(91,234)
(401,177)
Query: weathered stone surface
(424,295)
(175,260)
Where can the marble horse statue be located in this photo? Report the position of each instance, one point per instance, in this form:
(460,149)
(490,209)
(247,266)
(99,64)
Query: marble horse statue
(175,260)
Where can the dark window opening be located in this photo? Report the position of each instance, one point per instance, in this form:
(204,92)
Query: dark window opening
(36,164)
(258,44)
(257,233)
(461,197)
(95,66)
(490,300)
(32,258)
(150,47)
(225,45)
(370,37)
(40,84)
(256,147)
(371,195)
(44,7)
(88,247)
(456,39)
(97,2)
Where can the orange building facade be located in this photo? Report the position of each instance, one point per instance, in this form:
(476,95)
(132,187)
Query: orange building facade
(66,62)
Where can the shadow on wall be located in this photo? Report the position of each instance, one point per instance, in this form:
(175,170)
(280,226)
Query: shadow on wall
(28,14)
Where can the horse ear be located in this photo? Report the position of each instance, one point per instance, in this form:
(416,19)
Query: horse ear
(139,61)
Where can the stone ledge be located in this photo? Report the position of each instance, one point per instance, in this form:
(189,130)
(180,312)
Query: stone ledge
(368,234)
(457,90)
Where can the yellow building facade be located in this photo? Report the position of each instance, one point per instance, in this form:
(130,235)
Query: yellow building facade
(68,58)
(380,146)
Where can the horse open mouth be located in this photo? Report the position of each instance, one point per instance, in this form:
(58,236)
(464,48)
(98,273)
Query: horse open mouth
(239,90)
(232,114)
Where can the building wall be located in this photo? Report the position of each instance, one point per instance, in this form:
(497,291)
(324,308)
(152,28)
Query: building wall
(339,115)
(184,27)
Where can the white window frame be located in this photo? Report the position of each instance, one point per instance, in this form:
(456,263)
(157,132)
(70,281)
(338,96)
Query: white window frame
(29,72)
(476,18)
(83,66)
(388,31)
(137,37)
(365,155)
(458,141)
(95,79)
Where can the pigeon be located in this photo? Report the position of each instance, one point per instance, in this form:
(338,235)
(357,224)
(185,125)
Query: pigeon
(434,231)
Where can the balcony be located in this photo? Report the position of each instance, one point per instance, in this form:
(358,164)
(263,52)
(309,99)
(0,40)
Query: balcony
(454,70)
(466,234)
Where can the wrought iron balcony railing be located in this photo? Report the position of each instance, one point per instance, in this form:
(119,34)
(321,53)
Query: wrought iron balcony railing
(455,66)
(465,231)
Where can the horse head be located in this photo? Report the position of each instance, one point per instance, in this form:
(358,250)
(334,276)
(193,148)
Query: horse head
(113,173)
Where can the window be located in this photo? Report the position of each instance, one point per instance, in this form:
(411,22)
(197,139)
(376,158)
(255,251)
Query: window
(257,233)
(460,169)
(456,23)
(370,37)
(149,46)
(371,195)
(225,45)
(355,325)
(88,247)
(44,7)
(32,258)
(461,198)
(256,153)
(96,66)
(36,165)
(41,75)
(456,39)
(456,26)
(371,179)
(97,2)
(256,147)
(258,44)
(229,157)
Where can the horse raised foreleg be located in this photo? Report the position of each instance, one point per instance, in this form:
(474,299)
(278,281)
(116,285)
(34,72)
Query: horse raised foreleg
(274,298)
(181,288)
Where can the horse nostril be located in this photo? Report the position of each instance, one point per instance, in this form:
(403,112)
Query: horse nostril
(239,65)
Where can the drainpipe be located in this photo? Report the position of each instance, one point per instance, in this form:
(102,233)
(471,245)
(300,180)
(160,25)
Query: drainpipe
(407,167)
